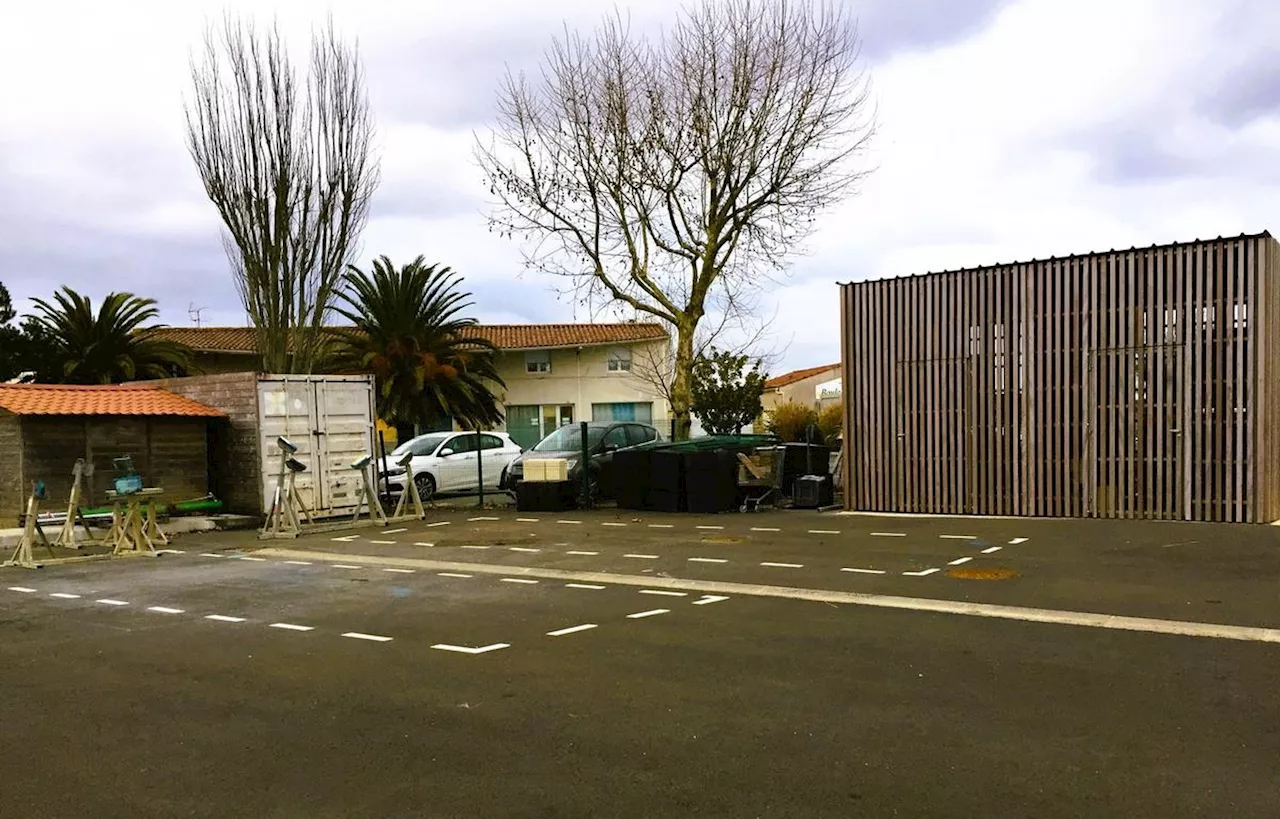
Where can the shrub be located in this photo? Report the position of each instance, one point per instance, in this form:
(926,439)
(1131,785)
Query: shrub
(790,421)
(831,423)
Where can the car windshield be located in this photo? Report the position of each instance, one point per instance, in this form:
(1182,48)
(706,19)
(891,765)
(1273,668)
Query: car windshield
(569,439)
(421,445)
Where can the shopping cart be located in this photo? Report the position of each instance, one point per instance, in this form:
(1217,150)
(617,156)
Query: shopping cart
(760,477)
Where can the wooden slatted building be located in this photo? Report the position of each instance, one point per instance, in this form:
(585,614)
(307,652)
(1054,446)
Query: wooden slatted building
(1140,383)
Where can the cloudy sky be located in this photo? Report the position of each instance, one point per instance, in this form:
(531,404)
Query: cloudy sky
(1007,130)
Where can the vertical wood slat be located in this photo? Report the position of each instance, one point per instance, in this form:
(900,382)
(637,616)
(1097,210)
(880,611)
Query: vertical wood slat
(1121,384)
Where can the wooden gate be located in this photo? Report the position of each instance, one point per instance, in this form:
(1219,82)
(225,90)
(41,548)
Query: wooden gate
(1134,443)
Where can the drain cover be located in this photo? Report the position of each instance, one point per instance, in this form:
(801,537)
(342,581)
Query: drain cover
(982,574)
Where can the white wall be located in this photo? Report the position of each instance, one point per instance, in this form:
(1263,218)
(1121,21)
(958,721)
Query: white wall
(581,377)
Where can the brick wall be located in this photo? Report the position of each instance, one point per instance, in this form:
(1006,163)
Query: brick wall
(235,472)
(11,482)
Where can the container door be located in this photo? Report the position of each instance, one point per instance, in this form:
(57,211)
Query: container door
(342,436)
(287,409)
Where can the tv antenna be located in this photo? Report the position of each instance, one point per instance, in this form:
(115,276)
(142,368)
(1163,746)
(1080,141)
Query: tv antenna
(194,312)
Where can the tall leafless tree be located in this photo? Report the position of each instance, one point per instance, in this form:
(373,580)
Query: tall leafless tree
(658,172)
(290,166)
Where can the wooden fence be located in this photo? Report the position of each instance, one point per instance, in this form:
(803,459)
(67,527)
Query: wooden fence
(1136,384)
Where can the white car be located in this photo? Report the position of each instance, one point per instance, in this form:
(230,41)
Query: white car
(446,462)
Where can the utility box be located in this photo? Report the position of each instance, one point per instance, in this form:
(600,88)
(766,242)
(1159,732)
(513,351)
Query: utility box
(330,418)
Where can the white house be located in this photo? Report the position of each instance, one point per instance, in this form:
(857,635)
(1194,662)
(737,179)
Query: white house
(555,374)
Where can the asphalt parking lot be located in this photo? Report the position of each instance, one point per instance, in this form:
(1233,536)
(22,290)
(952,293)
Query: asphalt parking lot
(589,664)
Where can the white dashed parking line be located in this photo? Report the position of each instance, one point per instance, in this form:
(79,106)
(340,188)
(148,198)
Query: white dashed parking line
(708,527)
(581,553)
(164,610)
(664,593)
(958,537)
(65,596)
(708,599)
(346,566)
(888,534)
(454,574)
(475,547)
(592,586)
(651,613)
(924,573)
(473,520)
(707,560)
(616,525)
(824,531)
(522,549)
(662,526)
(783,565)
(393,531)
(298,562)
(570,522)
(864,571)
(439,523)
(518,580)
(106,601)
(384,542)
(527,520)
(210,554)
(764,529)
(642,557)
(373,638)
(291,627)
(992,550)
(960,561)
(466,650)
(222,618)
(571,630)
(22,590)
(1017,540)
(400,571)
(252,559)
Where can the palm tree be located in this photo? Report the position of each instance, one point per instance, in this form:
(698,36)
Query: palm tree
(408,331)
(107,347)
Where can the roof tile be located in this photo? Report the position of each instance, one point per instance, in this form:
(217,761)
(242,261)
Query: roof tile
(504,336)
(114,399)
(786,379)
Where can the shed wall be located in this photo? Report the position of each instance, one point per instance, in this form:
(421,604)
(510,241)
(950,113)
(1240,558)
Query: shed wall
(235,477)
(1124,384)
(11,482)
(167,452)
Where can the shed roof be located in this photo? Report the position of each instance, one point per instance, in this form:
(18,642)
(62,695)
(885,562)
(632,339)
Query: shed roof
(112,399)
(242,340)
(786,379)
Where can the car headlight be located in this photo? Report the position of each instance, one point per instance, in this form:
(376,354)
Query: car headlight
(394,470)
(570,463)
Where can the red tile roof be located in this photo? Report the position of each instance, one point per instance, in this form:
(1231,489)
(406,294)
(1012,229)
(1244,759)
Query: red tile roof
(786,379)
(505,336)
(115,399)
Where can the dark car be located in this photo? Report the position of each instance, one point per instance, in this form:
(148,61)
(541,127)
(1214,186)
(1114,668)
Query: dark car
(566,442)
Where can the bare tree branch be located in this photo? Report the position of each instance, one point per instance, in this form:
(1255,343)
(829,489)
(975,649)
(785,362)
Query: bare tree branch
(673,176)
(291,171)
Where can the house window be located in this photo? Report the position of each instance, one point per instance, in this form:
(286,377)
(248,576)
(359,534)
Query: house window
(620,360)
(537,361)
(609,413)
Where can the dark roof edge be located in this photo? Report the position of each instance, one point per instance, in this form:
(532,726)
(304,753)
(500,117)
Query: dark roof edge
(1266,234)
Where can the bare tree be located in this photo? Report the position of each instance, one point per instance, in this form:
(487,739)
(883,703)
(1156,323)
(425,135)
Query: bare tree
(656,173)
(290,167)
(738,330)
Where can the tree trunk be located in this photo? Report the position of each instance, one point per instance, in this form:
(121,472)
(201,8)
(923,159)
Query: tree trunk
(682,384)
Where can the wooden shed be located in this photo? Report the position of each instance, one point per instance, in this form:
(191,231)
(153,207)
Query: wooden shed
(1141,383)
(44,428)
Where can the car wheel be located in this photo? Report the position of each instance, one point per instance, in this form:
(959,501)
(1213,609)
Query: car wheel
(426,486)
